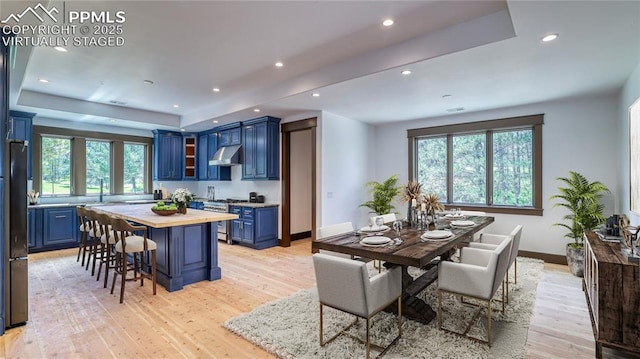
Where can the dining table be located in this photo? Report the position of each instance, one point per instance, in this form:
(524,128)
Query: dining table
(413,249)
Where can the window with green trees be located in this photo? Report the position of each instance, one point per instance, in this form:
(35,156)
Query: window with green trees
(56,166)
(134,167)
(98,166)
(493,165)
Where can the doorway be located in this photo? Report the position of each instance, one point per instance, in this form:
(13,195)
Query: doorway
(298,180)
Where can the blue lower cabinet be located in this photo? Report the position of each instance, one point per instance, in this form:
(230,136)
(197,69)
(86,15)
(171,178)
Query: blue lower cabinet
(196,205)
(52,228)
(256,227)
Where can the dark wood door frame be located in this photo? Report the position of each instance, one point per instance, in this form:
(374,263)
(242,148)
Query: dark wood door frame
(287,129)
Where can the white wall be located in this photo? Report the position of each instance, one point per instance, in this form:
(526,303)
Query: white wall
(578,134)
(345,168)
(630,93)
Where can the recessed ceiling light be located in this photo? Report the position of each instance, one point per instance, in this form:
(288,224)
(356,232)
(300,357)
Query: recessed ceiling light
(215,89)
(456,109)
(60,48)
(43,80)
(387,22)
(176,106)
(550,37)
(315,94)
(215,121)
(148,82)
(406,72)
(116,102)
(279,64)
(112,120)
(256,110)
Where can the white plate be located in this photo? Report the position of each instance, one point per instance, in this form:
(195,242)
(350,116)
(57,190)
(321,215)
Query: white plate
(463,223)
(437,234)
(375,240)
(449,215)
(374,228)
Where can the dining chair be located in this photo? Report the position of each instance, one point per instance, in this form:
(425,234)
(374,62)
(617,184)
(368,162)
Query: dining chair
(334,230)
(491,241)
(386,218)
(345,285)
(137,246)
(478,275)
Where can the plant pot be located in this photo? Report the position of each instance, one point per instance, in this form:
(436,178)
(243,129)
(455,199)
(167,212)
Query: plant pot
(182,210)
(575,260)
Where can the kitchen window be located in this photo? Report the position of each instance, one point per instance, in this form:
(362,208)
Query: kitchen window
(134,167)
(74,162)
(56,166)
(491,166)
(98,164)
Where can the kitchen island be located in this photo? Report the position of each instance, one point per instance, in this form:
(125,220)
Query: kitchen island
(187,243)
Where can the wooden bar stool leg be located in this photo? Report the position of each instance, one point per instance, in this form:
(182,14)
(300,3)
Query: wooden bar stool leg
(153,270)
(124,275)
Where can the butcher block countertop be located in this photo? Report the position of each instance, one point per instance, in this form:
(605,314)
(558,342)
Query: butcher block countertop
(141,213)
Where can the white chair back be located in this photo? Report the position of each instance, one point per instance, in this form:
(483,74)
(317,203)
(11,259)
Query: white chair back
(334,229)
(342,283)
(503,252)
(386,218)
(516,233)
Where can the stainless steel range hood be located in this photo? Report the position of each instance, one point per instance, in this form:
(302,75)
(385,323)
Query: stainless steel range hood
(226,156)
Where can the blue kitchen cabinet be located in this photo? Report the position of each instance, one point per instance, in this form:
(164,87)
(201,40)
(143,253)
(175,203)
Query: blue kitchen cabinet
(20,127)
(207,147)
(261,149)
(59,227)
(229,134)
(255,227)
(167,155)
(196,204)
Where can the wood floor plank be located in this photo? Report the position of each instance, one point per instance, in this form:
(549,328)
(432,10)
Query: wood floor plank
(72,316)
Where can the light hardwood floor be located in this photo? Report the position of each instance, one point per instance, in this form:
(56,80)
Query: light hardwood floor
(72,316)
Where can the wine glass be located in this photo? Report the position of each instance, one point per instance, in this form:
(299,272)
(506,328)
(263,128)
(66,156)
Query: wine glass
(379,222)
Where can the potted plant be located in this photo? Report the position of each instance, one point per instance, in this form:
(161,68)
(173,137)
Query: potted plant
(583,200)
(383,193)
(182,197)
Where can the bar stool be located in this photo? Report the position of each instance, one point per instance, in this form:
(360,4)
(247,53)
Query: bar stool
(107,246)
(93,238)
(135,245)
(84,229)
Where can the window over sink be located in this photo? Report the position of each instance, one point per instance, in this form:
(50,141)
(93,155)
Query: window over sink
(73,162)
(492,166)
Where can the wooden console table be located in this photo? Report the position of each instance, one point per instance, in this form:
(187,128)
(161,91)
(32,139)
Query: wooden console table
(612,288)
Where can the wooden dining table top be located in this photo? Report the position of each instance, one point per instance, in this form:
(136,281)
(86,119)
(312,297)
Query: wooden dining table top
(413,251)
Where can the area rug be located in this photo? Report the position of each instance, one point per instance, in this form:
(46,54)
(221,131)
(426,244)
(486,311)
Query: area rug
(288,327)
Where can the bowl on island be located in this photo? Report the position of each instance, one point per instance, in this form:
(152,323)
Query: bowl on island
(164,212)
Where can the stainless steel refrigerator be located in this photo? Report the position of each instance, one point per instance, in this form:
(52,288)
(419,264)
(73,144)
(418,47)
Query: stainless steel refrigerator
(15,233)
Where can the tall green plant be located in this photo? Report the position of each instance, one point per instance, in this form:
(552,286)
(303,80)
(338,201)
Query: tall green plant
(583,200)
(383,193)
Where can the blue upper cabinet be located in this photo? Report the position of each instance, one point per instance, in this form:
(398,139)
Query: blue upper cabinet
(190,150)
(20,128)
(229,135)
(167,155)
(207,147)
(261,149)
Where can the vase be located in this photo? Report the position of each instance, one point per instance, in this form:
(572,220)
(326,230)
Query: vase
(182,209)
(409,210)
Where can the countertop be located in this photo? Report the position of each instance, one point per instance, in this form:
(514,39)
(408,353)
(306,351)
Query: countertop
(141,213)
(254,205)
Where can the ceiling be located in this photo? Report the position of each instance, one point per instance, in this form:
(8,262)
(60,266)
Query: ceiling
(464,56)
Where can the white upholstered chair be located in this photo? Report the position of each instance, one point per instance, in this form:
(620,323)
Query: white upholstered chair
(345,285)
(334,230)
(386,218)
(491,241)
(478,275)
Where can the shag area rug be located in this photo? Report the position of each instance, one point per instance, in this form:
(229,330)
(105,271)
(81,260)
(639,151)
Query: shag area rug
(288,327)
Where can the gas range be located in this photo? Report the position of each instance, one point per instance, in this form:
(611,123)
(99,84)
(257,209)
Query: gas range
(221,205)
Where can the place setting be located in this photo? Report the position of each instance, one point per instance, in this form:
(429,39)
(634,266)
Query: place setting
(437,235)
(462,223)
(375,226)
(376,241)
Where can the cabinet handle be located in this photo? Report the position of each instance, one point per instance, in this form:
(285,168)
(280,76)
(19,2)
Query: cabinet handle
(61,217)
